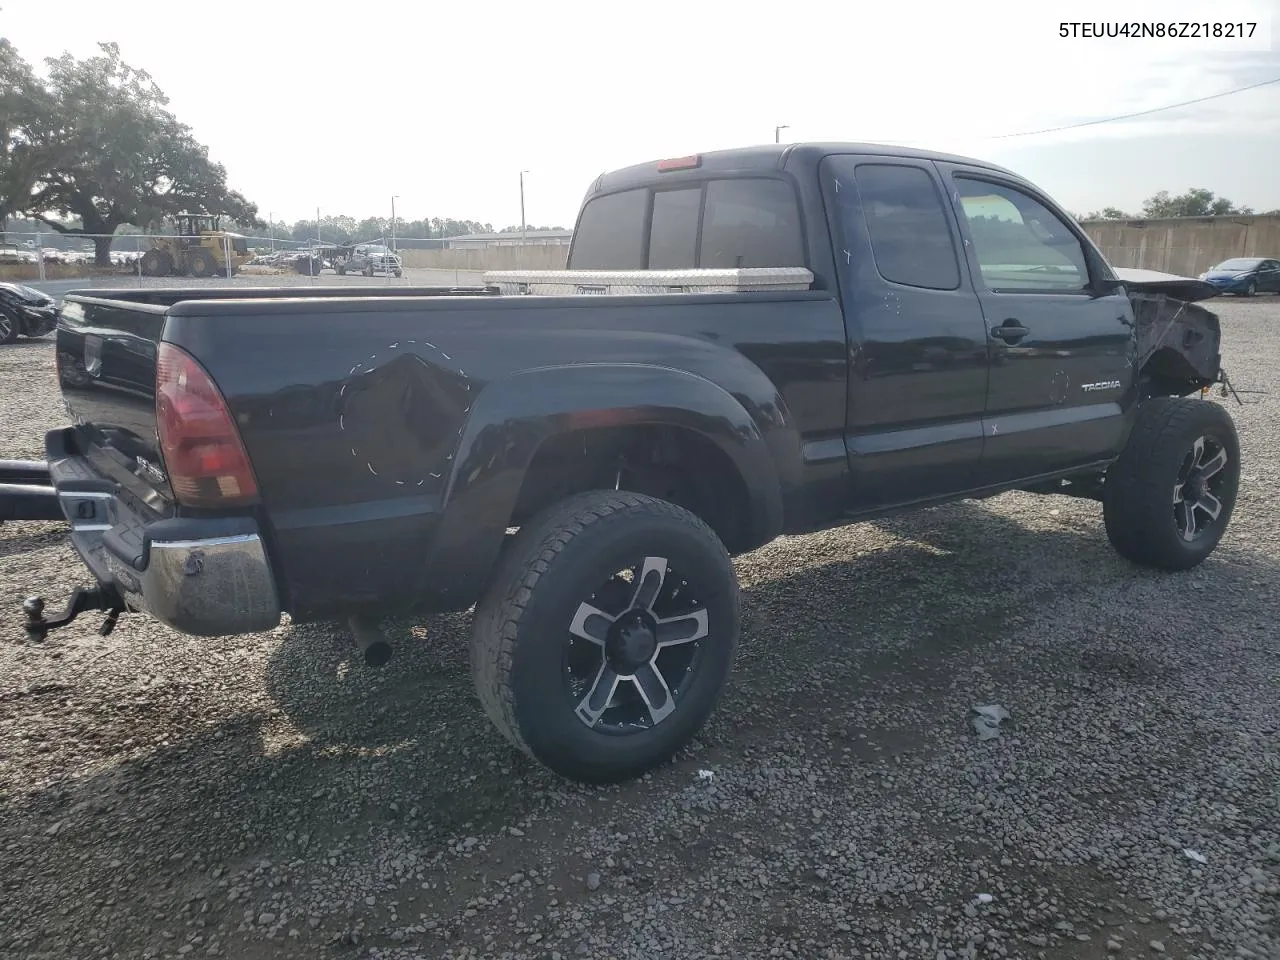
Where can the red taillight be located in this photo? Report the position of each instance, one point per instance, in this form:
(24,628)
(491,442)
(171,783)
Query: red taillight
(203,455)
(680,163)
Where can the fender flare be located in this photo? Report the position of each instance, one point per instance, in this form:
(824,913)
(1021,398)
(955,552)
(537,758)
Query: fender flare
(512,418)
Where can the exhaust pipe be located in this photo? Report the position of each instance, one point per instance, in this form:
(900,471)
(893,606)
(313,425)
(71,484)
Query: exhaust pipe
(372,642)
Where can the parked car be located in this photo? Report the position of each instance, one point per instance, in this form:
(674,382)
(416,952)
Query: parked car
(369,259)
(25,312)
(1245,276)
(583,468)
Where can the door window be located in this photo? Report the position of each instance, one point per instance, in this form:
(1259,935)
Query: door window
(910,238)
(1021,246)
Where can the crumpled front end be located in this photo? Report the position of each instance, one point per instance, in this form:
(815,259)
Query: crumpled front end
(1179,340)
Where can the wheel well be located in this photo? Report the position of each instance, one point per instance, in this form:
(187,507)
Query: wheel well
(671,463)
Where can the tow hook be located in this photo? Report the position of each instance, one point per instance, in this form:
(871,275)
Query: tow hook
(82,600)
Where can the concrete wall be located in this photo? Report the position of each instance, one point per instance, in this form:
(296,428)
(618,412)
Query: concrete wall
(489,258)
(1186,245)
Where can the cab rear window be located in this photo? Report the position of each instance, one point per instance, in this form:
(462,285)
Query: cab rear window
(725,223)
(610,233)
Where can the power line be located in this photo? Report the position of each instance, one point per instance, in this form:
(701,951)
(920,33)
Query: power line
(1089,123)
(1139,113)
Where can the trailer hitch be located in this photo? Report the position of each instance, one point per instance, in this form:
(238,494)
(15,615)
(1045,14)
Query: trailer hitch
(82,600)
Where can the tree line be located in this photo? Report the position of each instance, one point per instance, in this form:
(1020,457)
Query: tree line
(1196,202)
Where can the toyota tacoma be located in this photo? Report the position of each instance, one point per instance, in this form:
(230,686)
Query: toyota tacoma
(744,344)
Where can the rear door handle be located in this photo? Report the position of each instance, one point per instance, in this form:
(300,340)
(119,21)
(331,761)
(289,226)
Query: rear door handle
(1010,331)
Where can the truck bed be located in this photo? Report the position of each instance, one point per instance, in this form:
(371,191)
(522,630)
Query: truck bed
(366,412)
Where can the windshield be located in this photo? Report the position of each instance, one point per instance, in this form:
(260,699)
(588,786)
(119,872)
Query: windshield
(1240,263)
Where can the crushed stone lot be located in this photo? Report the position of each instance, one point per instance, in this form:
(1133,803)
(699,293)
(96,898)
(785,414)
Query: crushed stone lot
(269,796)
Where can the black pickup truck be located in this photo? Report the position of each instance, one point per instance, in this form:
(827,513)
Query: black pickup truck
(582,468)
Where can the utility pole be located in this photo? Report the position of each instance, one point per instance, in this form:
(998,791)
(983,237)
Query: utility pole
(524,232)
(393,222)
(271,230)
(777,132)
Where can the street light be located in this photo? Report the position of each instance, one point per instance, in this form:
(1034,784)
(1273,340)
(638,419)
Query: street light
(777,132)
(524,232)
(393,221)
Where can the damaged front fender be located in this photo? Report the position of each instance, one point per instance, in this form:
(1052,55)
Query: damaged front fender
(1179,341)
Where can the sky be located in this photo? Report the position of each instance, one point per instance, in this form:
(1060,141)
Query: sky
(340,107)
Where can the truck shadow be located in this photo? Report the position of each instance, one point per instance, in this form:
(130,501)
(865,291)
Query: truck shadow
(342,751)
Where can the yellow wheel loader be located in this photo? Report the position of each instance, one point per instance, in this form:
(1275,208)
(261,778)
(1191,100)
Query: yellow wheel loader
(200,249)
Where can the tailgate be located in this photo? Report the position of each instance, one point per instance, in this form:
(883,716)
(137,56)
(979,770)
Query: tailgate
(106,355)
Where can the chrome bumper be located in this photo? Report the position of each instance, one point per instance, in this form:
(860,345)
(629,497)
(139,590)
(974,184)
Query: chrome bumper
(214,587)
(206,586)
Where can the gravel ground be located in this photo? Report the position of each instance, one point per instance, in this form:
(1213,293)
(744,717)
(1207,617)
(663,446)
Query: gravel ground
(266,796)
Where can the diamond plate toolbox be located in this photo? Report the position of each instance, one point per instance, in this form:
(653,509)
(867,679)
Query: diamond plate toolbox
(560,283)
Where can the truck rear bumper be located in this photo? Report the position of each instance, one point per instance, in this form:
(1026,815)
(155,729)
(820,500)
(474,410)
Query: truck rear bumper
(202,576)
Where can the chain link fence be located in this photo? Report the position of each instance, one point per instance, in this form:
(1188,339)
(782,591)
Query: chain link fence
(62,262)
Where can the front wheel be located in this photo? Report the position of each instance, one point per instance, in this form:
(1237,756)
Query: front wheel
(1168,499)
(605,639)
(1251,289)
(156,263)
(8,328)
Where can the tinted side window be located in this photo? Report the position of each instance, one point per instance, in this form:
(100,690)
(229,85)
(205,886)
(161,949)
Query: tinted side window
(751,223)
(610,233)
(910,238)
(1019,244)
(673,237)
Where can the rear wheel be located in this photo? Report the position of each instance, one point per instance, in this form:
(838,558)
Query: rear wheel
(605,639)
(1169,497)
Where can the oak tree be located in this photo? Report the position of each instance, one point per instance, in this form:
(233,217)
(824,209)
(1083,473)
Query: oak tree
(111,153)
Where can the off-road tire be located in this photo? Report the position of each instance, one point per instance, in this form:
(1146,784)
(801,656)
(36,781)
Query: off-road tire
(521,629)
(201,264)
(155,263)
(1138,506)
